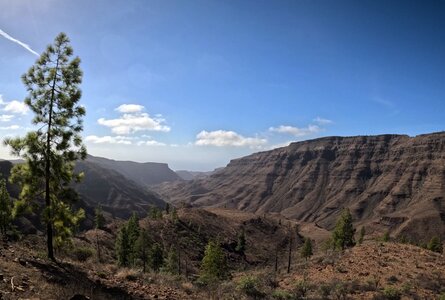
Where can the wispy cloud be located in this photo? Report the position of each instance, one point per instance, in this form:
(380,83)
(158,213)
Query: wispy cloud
(322,121)
(14,40)
(389,105)
(384,102)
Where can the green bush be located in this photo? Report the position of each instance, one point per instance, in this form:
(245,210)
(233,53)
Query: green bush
(301,289)
(282,295)
(325,291)
(250,286)
(391,293)
(83,253)
(435,245)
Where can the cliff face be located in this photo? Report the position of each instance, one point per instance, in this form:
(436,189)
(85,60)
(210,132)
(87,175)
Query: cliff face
(388,181)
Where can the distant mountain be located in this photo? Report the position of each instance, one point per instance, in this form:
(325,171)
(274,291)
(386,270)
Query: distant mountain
(144,174)
(190,175)
(117,195)
(113,191)
(393,182)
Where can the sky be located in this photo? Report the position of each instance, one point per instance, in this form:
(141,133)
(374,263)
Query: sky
(197,83)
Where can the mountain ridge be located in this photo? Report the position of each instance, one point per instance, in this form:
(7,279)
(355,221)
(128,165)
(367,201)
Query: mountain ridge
(390,182)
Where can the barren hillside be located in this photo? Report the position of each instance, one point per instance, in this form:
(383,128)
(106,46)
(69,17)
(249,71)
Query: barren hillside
(391,182)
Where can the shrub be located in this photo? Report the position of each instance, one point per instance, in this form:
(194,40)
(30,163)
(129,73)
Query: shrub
(386,237)
(361,235)
(340,291)
(83,253)
(282,295)
(128,274)
(301,289)
(435,245)
(391,293)
(249,285)
(325,291)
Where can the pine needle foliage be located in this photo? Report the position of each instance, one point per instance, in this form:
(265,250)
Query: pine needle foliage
(343,235)
(51,151)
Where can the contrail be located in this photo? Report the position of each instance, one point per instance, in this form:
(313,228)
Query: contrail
(5,35)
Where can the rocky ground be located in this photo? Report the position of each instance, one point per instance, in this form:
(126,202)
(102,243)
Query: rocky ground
(373,270)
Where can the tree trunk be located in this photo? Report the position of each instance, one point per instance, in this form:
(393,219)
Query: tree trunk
(276,259)
(49,224)
(179,261)
(290,254)
(98,247)
(186,265)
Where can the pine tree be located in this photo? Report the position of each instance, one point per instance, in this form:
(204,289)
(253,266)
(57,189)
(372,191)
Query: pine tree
(5,208)
(174,215)
(156,257)
(167,208)
(51,151)
(155,213)
(133,230)
(122,247)
(214,264)
(343,235)
(435,245)
(142,248)
(171,263)
(362,235)
(99,223)
(241,243)
(99,219)
(306,251)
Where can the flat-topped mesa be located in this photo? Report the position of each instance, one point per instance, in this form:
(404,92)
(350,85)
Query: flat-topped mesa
(392,182)
(144,174)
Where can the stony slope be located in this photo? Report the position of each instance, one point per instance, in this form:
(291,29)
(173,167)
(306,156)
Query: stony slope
(388,181)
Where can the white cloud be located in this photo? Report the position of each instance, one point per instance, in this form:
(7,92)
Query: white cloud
(107,139)
(296,131)
(221,138)
(6,118)
(322,121)
(16,107)
(130,108)
(26,46)
(150,143)
(133,120)
(12,127)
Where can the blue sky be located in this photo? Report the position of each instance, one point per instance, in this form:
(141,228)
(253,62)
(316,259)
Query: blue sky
(197,83)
